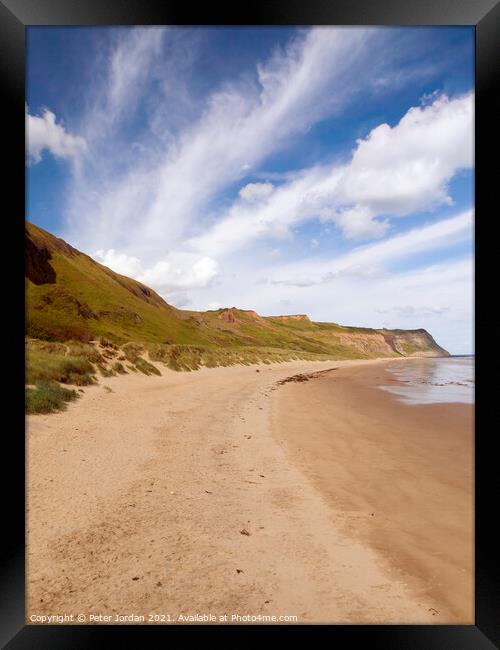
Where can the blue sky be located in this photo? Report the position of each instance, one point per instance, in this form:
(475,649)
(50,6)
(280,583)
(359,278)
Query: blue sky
(326,171)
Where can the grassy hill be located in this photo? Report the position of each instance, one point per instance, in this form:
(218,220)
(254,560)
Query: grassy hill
(82,318)
(72,297)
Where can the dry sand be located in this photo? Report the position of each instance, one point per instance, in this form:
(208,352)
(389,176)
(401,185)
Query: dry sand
(137,499)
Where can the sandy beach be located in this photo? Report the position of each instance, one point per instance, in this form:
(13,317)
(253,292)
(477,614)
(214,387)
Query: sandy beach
(227,491)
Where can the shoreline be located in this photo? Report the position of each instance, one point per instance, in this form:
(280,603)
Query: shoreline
(399,476)
(137,499)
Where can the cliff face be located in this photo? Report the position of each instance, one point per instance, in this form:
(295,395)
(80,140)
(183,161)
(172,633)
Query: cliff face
(369,343)
(70,296)
(415,343)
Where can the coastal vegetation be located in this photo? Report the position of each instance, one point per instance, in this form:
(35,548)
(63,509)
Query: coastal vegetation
(47,397)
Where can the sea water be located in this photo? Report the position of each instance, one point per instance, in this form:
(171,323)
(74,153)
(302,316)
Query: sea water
(433,380)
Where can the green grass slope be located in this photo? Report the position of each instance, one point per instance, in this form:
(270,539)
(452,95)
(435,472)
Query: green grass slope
(70,297)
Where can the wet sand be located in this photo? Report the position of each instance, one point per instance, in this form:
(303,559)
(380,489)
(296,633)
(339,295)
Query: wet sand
(223,492)
(398,477)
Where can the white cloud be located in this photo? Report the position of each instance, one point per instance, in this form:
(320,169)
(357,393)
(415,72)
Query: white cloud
(354,271)
(406,168)
(44,134)
(172,181)
(127,64)
(289,203)
(158,204)
(117,93)
(350,288)
(393,172)
(375,256)
(412,312)
(358,222)
(166,276)
(119,262)
(256,191)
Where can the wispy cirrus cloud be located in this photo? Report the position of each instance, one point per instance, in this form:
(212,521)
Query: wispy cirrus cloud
(370,260)
(171,183)
(409,311)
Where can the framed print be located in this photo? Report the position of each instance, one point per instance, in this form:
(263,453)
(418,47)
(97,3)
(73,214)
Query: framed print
(245,389)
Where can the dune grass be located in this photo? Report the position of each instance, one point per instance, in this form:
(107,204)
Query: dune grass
(118,368)
(48,397)
(104,371)
(189,357)
(145,367)
(132,351)
(84,351)
(51,362)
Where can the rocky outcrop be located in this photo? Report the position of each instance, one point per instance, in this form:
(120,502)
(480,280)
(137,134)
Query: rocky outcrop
(234,315)
(227,316)
(37,262)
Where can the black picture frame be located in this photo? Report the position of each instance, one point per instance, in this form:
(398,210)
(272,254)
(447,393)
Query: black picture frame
(15,16)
